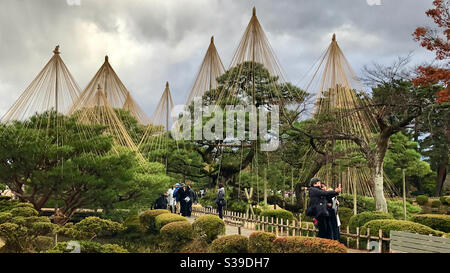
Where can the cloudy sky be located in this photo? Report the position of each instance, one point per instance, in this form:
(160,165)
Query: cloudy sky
(150,42)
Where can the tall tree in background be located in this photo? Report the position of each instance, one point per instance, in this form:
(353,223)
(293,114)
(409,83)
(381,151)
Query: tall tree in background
(437,40)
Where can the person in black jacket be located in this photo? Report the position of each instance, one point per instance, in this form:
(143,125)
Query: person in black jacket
(189,199)
(161,202)
(318,206)
(332,225)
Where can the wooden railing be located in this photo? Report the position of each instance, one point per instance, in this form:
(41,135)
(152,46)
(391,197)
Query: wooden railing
(290,228)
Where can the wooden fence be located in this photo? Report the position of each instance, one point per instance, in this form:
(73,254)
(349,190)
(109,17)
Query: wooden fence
(290,228)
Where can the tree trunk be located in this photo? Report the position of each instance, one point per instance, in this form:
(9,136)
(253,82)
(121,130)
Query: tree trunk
(441,175)
(378,190)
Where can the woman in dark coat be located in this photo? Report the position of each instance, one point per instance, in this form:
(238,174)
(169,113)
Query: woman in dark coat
(181,193)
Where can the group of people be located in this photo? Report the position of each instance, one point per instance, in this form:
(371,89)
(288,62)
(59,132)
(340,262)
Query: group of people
(323,206)
(178,199)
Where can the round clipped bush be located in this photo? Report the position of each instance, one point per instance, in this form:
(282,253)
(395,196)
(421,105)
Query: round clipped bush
(133,225)
(344,216)
(209,227)
(165,218)
(360,219)
(422,199)
(436,204)
(435,221)
(301,244)
(386,225)
(147,218)
(230,244)
(176,235)
(261,242)
(278,213)
(24,211)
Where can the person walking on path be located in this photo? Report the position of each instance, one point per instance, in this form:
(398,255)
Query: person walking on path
(318,206)
(332,219)
(171,200)
(161,202)
(189,199)
(181,195)
(177,198)
(220,200)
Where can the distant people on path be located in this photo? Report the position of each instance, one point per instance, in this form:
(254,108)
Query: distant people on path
(220,200)
(161,202)
(177,198)
(171,200)
(318,207)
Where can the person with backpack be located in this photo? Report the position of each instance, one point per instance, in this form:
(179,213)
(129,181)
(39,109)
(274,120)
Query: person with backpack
(220,200)
(318,207)
(161,202)
(177,198)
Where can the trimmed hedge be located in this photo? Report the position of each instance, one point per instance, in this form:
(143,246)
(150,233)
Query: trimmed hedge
(301,244)
(261,242)
(398,225)
(435,221)
(209,227)
(88,247)
(176,235)
(230,244)
(362,218)
(147,218)
(91,227)
(344,216)
(166,218)
(422,199)
(278,213)
(436,204)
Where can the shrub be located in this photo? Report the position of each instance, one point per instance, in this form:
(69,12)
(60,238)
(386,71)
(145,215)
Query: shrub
(444,200)
(386,225)
(278,213)
(301,244)
(261,242)
(422,199)
(230,244)
(360,219)
(43,243)
(133,225)
(237,206)
(21,229)
(363,203)
(209,227)
(165,218)
(410,200)
(90,228)
(147,219)
(434,221)
(176,235)
(344,216)
(396,209)
(436,204)
(88,247)
(197,245)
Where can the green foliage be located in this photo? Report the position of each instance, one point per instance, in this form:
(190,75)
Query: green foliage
(386,225)
(445,200)
(90,228)
(363,203)
(133,225)
(278,213)
(436,204)
(344,216)
(300,244)
(434,221)
(230,244)
(396,209)
(166,218)
(148,219)
(422,199)
(22,230)
(43,243)
(209,227)
(402,154)
(237,206)
(88,247)
(362,218)
(176,235)
(261,242)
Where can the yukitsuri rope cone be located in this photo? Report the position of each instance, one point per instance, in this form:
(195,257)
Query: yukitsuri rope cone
(336,86)
(211,68)
(115,91)
(53,89)
(98,111)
